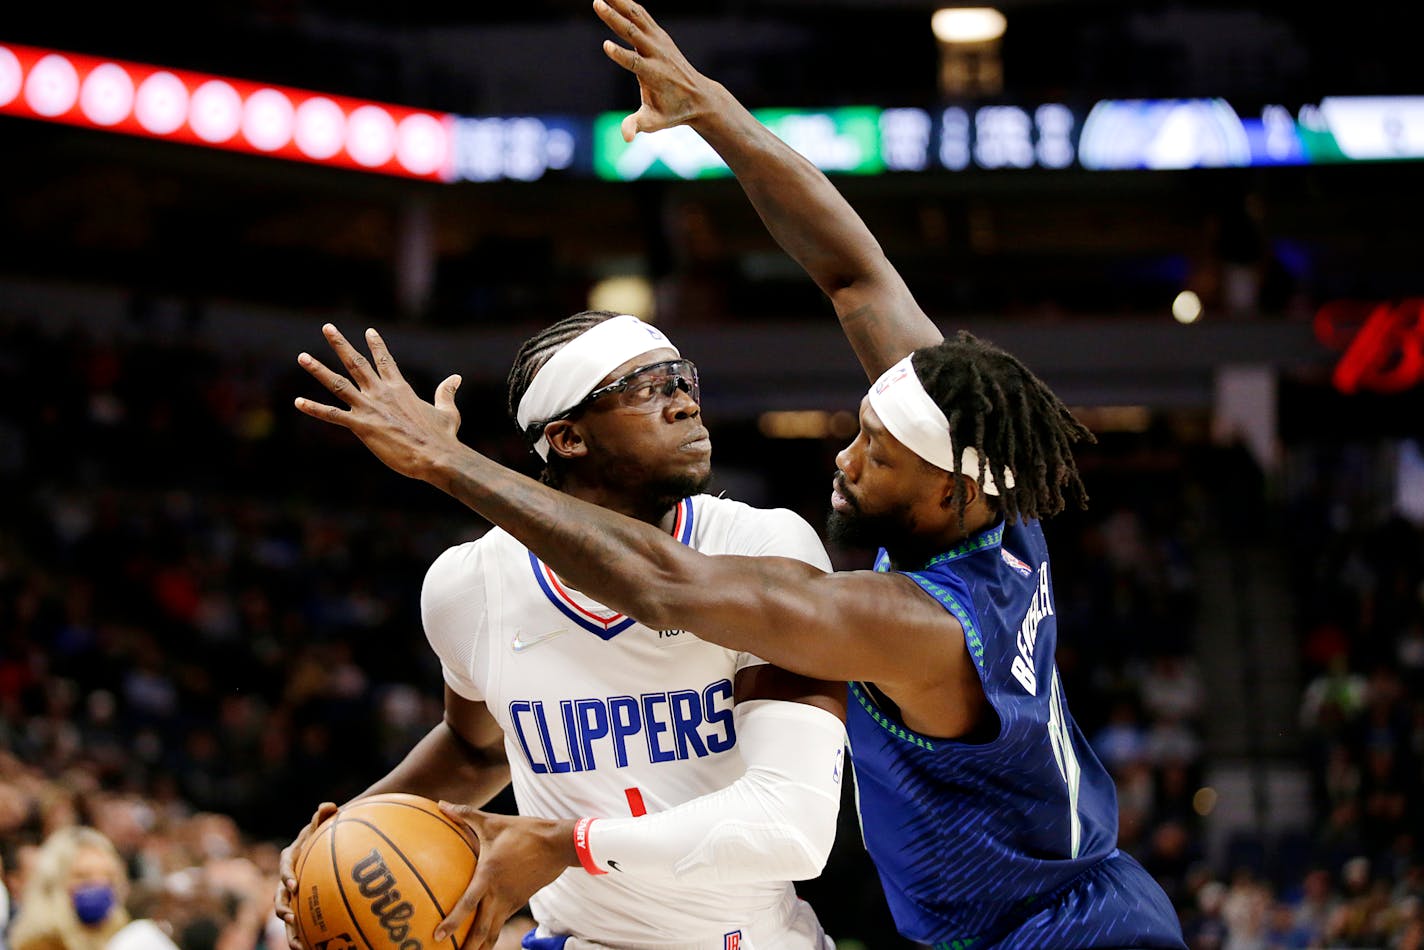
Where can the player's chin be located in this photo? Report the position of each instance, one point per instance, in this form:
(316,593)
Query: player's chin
(689,478)
(699,472)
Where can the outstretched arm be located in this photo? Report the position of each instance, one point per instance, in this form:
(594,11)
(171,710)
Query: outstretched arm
(823,625)
(830,626)
(804,212)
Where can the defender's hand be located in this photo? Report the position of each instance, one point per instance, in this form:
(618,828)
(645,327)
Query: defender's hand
(673,91)
(287,875)
(400,428)
(518,856)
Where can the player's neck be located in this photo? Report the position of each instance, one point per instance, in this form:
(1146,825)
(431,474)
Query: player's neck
(659,512)
(908,553)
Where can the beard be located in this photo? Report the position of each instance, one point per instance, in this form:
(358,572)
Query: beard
(892,531)
(669,490)
(851,529)
(650,490)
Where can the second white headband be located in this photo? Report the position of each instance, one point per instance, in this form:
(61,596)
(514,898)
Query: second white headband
(919,424)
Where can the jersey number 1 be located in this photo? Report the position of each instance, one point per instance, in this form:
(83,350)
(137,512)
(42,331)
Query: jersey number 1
(1061,739)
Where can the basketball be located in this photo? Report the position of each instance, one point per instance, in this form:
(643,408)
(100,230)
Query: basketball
(381,874)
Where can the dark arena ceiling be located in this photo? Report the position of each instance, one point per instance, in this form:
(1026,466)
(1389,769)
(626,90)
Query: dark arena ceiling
(86,206)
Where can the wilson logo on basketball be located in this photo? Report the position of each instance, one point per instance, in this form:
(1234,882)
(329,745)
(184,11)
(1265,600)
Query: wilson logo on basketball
(378,885)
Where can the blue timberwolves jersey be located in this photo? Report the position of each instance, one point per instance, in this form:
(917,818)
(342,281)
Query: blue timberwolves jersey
(969,838)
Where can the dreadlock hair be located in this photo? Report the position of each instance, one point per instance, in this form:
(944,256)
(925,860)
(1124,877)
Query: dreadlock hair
(1011,418)
(531,358)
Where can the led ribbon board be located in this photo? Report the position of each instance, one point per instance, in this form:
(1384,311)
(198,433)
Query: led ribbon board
(1114,135)
(842,141)
(231,114)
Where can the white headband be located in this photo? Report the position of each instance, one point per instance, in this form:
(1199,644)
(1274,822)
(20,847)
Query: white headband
(577,369)
(919,424)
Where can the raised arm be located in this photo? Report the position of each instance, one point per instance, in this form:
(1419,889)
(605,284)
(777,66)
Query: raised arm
(831,626)
(804,212)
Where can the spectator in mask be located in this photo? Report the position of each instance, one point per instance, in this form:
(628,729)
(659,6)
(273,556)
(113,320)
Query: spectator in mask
(74,898)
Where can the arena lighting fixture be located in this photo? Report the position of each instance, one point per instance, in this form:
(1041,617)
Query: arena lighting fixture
(625,293)
(807,424)
(967,24)
(1187,307)
(229,114)
(1114,418)
(1204,800)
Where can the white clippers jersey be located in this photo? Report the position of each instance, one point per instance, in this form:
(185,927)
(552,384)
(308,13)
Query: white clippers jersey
(603,716)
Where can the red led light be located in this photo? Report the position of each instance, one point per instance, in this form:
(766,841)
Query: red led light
(231,114)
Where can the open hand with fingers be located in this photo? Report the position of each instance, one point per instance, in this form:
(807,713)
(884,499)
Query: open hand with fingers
(407,433)
(674,93)
(518,856)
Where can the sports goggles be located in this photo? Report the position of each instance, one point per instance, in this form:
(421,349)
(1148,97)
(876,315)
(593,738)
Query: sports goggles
(648,388)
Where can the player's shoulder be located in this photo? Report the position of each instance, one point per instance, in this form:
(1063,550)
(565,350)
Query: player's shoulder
(460,561)
(722,507)
(728,526)
(731,514)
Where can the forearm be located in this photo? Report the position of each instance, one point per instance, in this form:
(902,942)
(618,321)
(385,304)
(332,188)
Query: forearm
(804,212)
(443,766)
(812,221)
(628,565)
(775,823)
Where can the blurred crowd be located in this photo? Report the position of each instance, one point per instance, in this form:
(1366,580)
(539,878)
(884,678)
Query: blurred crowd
(209,624)
(88,868)
(205,628)
(1358,569)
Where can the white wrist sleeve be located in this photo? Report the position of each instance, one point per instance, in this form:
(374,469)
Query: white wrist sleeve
(775,823)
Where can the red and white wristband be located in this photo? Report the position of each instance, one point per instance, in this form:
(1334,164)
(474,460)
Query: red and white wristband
(585,857)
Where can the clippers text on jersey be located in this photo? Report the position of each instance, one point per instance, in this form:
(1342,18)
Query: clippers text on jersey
(584,734)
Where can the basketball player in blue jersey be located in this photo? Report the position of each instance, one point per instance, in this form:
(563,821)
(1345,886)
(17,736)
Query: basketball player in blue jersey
(990,820)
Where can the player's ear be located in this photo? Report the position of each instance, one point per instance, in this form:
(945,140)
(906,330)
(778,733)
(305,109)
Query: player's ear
(964,483)
(565,439)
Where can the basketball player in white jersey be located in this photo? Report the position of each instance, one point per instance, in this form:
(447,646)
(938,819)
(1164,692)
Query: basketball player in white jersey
(735,764)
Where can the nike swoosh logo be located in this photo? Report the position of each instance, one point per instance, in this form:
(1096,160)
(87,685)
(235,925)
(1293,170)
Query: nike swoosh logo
(520,643)
(614,865)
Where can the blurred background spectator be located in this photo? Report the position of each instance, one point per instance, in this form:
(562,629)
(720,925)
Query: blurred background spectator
(74,894)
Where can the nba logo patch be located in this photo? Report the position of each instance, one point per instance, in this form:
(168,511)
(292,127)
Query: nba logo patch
(1015,563)
(892,376)
(732,941)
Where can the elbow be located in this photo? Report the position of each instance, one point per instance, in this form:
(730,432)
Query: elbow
(809,817)
(855,274)
(465,757)
(808,850)
(832,285)
(819,828)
